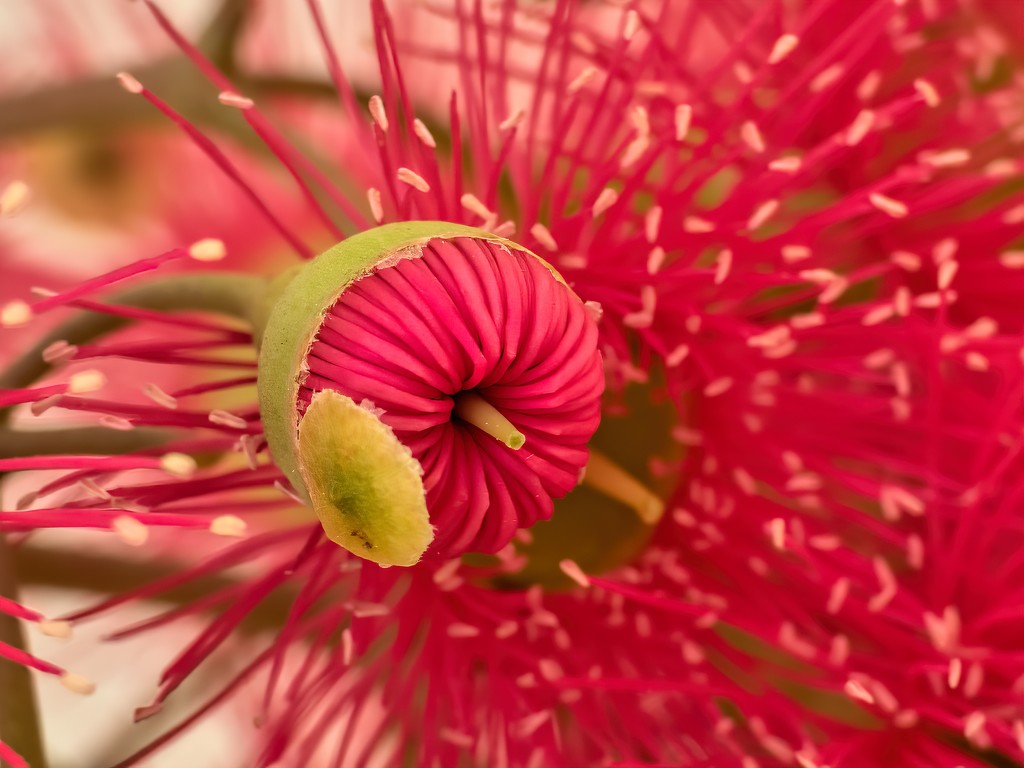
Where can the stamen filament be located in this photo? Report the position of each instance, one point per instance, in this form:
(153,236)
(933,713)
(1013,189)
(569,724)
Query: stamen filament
(607,477)
(473,409)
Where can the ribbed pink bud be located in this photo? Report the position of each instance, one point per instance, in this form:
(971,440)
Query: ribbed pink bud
(468,319)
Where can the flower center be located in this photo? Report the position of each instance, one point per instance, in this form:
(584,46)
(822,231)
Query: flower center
(484,365)
(607,521)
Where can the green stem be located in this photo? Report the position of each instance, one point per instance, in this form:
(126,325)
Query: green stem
(81,441)
(102,574)
(19,711)
(97,103)
(226,293)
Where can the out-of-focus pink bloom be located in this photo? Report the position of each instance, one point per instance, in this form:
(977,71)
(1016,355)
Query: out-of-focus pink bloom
(103,226)
(798,244)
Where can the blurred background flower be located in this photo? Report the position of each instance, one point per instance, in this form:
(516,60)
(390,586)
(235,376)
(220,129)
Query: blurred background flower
(799,225)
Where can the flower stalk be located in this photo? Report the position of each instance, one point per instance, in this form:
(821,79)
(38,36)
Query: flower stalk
(20,726)
(225,293)
(79,440)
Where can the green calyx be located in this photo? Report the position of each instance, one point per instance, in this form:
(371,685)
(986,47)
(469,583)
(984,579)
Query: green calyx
(363,484)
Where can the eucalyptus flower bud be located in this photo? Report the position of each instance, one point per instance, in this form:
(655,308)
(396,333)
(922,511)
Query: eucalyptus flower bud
(430,388)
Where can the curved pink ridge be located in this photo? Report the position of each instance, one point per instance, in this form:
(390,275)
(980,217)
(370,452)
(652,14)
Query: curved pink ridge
(470,315)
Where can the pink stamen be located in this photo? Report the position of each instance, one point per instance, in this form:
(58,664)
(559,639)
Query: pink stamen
(221,160)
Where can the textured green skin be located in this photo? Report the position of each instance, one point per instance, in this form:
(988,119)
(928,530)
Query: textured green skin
(299,311)
(364,485)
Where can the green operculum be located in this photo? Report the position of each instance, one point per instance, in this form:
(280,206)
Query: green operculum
(365,485)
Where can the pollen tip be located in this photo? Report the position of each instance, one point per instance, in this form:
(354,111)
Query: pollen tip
(236,100)
(413,179)
(516,440)
(86,381)
(230,526)
(423,133)
(14,197)
(683,120)
(512,121)
(572,569)
(225,419)
(59,352)
(584,77)
(207,249)
(789,164)
(131,531)
(751,135)
(784,46)
(1012,259)
(928,92)
(15,313)
(605,200)
(178,464)
(505,229)
(378,113)
(129,83)
(652,510)
(158,396)
(77,683)
(112,422)
(632,24)
(473,204)
(55,628)
(543,236)
(376,205)
(887,205)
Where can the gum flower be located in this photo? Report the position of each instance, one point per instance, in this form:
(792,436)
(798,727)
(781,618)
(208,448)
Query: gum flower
(661,405)
(466,357)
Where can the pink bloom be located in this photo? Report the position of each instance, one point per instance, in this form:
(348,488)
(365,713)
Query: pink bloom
(800,248)
(494,328)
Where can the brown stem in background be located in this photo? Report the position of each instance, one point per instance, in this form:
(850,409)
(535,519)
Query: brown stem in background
(41,566)
(20,726)
(83,441)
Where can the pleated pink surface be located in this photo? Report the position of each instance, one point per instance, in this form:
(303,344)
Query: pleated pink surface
(470,315)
